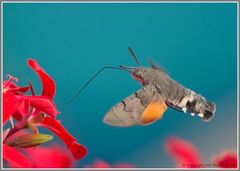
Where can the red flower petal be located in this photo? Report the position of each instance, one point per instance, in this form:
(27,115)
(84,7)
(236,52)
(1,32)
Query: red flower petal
(9,105)
(20,89)
(43,104)
(15,158)
(226,159)
(14,88)
(183,152)
(22,107)
(9,83)
(77,150)
(98,164)
(103,164)
(53,156)
(123,165)
(48,83)
(14,105)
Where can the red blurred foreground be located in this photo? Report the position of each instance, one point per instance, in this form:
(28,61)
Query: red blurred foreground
(186,155)
(28,112)
(103,164)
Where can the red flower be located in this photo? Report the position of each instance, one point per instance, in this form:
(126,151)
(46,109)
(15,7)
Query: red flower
(30,112)
(48,84)
(186,154)
(51,156)
(77,150)
(17,104)
(103,164)
(10,100)
(226,159)
(15,158)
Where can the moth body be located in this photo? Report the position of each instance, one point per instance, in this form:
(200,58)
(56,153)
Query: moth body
(149,103)
(174,94)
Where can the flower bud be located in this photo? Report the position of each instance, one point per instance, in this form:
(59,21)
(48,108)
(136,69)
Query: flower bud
(29,140)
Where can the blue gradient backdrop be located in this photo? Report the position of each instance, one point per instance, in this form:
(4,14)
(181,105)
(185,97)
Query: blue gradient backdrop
(195,43)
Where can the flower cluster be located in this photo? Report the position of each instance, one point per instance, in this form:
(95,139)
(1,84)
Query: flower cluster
(26,113)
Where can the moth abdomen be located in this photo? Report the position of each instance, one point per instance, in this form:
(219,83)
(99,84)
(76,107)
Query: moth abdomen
(188,101)
(191,105)
(200,106)
(210,109)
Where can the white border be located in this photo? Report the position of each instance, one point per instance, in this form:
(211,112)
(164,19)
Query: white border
(1,85)
(237,2)
(238,84)
(99,2)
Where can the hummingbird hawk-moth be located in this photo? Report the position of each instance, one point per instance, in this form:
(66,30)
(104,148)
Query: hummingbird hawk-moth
(158,92)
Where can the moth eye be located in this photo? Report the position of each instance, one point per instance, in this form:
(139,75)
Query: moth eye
(138,76)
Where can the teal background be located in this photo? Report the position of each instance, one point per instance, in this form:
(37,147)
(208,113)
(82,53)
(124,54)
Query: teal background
(196,43)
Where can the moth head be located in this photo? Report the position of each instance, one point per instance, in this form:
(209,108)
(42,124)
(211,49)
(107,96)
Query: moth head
(138,75)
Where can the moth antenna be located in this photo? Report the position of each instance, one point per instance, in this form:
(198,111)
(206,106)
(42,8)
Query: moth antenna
(91,79)
(134,56)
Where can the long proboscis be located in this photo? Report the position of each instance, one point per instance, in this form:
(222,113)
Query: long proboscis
(91,79)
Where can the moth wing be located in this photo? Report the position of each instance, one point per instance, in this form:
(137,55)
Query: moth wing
(142,107)
(154,110)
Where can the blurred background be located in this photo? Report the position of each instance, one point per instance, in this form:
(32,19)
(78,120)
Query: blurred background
(196,44)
